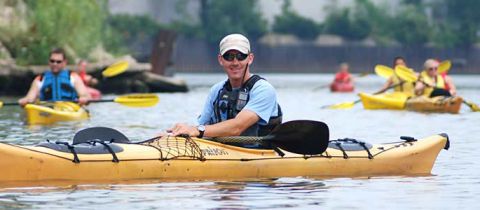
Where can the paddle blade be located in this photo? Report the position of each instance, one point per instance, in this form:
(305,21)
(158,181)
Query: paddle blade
(138,100)
(444,66)
(384,71)
(405,73)
(344,105)
(301,137)
(115,69)
(473,107)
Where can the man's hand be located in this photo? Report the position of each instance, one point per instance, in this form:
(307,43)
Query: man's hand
(24,101)
(83,100)
(182,128)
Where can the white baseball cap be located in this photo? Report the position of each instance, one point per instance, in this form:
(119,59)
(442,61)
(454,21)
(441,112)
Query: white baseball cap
(234,42)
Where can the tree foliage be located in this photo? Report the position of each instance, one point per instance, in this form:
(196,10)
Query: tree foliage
(352,24)
(221,17)
(127,30)
(411,27)
(289,22)
(464,19)
(74,25)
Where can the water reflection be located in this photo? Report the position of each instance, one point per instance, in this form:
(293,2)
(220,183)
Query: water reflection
(239,194)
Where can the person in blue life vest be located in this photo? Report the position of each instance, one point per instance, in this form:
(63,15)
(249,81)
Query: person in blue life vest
(57,84)
(242,105)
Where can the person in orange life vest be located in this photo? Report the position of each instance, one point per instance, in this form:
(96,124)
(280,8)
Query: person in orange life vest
(394,79)
(57,83)
(343,75)
(86,78)
(432,84)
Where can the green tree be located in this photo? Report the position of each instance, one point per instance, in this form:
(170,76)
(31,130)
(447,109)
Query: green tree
(129,29)
(289,22)
(352,24)
(464,17)
(411,26)
(221,17)
(74,25)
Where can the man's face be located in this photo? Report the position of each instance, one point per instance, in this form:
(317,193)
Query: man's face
(57,62)
(400,62)
(234,63)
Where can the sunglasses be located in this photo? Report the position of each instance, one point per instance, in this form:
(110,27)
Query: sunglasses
(432,68)
(56,61)
(231,56)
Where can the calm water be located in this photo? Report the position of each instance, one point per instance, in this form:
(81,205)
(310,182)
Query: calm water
(454,182)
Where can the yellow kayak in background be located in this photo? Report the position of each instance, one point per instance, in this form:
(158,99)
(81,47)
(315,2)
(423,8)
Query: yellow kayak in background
(175,158)
(436,104)
(400,101)
(393,100)
(49,113)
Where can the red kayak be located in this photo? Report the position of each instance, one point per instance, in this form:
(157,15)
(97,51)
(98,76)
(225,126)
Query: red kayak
(342,87)
(94,93)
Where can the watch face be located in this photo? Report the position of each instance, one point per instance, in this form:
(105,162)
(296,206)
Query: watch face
(201,128)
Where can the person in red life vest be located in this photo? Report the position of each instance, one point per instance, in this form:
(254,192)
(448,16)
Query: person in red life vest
(343,81)
(449,86)
(431,83)
(82,72)
(57,84)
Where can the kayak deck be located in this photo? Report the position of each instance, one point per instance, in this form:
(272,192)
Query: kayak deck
(393,100)
(54,112)
(436,104)
(174,158)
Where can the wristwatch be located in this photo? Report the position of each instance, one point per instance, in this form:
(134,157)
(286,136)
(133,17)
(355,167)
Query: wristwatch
(201,130)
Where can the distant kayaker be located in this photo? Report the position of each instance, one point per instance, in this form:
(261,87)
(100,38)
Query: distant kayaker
(245,104)
(57,83)
(87,79)
(448,80)
(343,81)
(431,84)
(394,80)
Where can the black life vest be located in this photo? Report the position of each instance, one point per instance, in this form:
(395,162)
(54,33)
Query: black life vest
(230,102)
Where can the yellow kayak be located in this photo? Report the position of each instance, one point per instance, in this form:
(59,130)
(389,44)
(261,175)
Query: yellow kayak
(392,100)
(49,113)
(400,101)
(175,158)
(435,104)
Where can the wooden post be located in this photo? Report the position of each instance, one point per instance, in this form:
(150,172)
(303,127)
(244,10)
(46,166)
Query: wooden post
(162,51)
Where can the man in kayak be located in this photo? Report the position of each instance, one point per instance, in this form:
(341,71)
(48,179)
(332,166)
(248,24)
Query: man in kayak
(394,80)
(431,84)
(244,104)
(57,83)
(343,81)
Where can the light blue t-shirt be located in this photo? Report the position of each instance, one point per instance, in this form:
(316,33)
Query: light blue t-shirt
(262,101)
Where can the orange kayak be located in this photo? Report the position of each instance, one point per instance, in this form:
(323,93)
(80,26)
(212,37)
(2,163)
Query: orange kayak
(342,87)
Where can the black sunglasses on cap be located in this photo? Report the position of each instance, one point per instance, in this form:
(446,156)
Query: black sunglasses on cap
(229,56)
